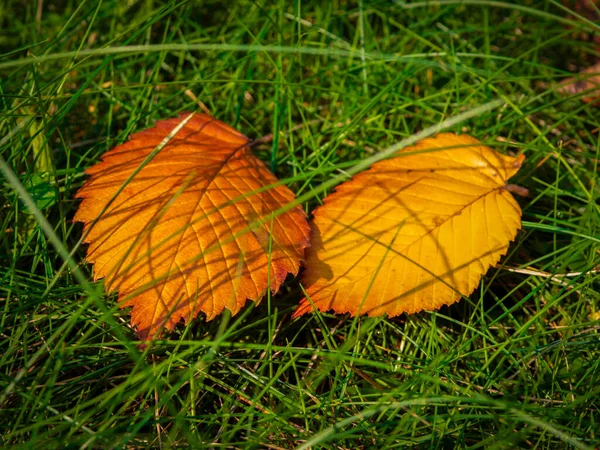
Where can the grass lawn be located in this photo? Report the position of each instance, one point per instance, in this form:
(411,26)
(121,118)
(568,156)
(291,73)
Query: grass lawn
(516,365)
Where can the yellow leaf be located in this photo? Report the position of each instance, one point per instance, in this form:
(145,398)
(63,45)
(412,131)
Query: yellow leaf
(194,230)
(414,232)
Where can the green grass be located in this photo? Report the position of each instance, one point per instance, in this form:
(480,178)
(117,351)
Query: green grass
(515,365)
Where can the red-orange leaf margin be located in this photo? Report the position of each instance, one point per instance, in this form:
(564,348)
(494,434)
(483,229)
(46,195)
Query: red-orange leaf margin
(197,225)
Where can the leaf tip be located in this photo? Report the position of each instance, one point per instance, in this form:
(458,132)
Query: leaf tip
(519,160)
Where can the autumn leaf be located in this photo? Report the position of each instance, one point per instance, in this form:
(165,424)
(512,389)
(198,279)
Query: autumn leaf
(588,81)
(199,225)
(414,232)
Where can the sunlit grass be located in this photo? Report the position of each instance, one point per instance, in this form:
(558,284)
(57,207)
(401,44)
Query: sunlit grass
(515,365)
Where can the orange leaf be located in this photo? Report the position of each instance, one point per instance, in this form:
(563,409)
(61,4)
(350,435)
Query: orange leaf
(196,228)
(414,232)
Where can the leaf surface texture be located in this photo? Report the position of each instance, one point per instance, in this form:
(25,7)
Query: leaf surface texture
(199,225)
(413,232)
